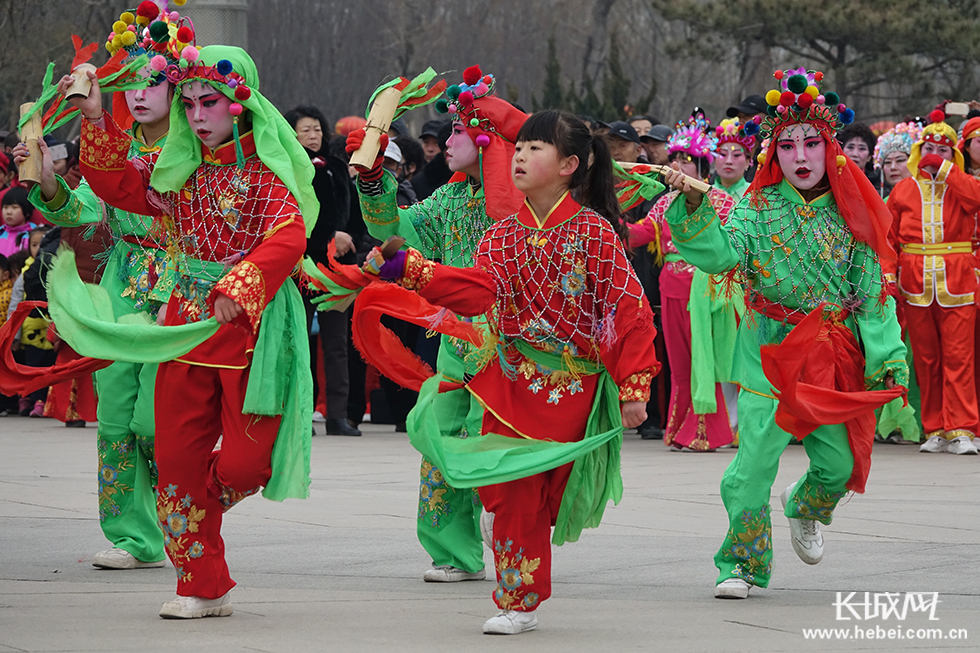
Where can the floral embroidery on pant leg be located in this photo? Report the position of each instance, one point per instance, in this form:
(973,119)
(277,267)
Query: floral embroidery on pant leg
(433,490)
(178,518)
(816,503)
(516,575)
(111,488)
(751,545)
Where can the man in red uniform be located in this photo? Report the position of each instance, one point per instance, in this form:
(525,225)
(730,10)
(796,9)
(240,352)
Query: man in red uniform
(934,223)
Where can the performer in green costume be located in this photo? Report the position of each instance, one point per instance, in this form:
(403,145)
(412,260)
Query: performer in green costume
(821,331)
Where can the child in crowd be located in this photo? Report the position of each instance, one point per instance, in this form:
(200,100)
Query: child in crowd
(17,212)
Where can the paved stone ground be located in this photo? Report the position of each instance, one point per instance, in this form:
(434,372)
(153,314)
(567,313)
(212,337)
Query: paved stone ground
(342,570)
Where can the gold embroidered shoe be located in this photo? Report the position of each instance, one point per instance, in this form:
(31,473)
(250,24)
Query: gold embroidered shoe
(194,607)
(511,622)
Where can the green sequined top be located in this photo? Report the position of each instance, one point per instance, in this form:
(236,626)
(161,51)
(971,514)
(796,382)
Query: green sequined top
(797,254)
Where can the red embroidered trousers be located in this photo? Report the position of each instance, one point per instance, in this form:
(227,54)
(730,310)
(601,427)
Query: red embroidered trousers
(195,405)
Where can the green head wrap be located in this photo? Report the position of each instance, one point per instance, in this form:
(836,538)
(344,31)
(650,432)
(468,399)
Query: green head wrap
(275,140)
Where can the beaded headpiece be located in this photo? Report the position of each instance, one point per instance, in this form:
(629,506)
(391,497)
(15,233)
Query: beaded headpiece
(732,131)
(798,99)
(460,102)
(164,36)
(899,138)
(695,137)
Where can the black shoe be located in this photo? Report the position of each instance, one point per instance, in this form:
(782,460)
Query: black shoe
(75,423)
(401,427)
(340,427)
(650,432)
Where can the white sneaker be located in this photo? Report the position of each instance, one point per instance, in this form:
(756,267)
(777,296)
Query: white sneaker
(450,574)
(732,588)
(510,622)
(805,534)
(960,445)
(193,607)
(486,528)
(116,558)
(318,416)
(935,444)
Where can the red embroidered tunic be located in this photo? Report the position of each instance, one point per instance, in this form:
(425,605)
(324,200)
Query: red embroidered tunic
(564,286)
(236,232)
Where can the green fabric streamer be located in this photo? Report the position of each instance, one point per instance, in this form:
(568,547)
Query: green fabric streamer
(275,141)
(646,184)
(492,458)
(85,319)
(417,88)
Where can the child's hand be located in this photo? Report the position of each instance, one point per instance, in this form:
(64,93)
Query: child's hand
(226,309)
(634,413)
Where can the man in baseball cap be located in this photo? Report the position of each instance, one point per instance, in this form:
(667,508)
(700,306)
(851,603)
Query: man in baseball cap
(750,106)
(430,138)
(624,142)
(654,143)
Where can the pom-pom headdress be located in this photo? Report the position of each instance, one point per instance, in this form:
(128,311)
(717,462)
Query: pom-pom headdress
(939,133)
(695,138)
(732,131)
(165,37)
(493,124)
(798,99)
(899,138)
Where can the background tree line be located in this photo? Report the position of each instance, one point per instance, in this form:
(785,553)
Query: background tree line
(601,57)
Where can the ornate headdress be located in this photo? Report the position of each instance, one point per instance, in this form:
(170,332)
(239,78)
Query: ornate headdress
(493,124)
(165,37)
(732,131)
(939,133)
(798,99)
(899,138)
(694,137)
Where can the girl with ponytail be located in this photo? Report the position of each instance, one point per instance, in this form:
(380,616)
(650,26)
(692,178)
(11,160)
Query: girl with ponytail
(565,367)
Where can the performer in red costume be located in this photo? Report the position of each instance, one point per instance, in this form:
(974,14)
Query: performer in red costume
(569,356)
(232,207)
(934,225)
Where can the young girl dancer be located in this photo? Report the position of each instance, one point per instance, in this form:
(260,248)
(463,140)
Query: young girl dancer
(568,323)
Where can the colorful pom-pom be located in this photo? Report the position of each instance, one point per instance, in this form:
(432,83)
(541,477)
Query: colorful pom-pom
(109,48)
(787,98)
(185,34)
(453,92)
(812,91)
(488,79)
(472,75)
(224,67)
(159,31)
(442,106)
(751,129)
(847,117)
(128,38)
(474,122)
(841,160)
(831,98)
(158,63)
(482,140)
(796,83)
(937,115)
(235,109)
(180,3)
(818,76)
(757,119)
(149,9)
(466,98)
(820,99)
(805,100)
(452,109)
(190,53)
(771,110)
(174,16)
(761,158)
(131,28)
(781,109)
(841,108)
(778,74)
(119,27)
(242,93)
(117,41)
(772,97)
(127,18)
(481,89)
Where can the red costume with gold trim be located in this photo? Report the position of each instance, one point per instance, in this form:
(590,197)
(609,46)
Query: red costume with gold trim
(933,229)
(564,287)
(238,232)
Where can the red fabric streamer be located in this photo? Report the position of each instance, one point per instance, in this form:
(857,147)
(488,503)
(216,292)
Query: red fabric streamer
(383,349)
(82,54)
(23,380)
(817,374)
